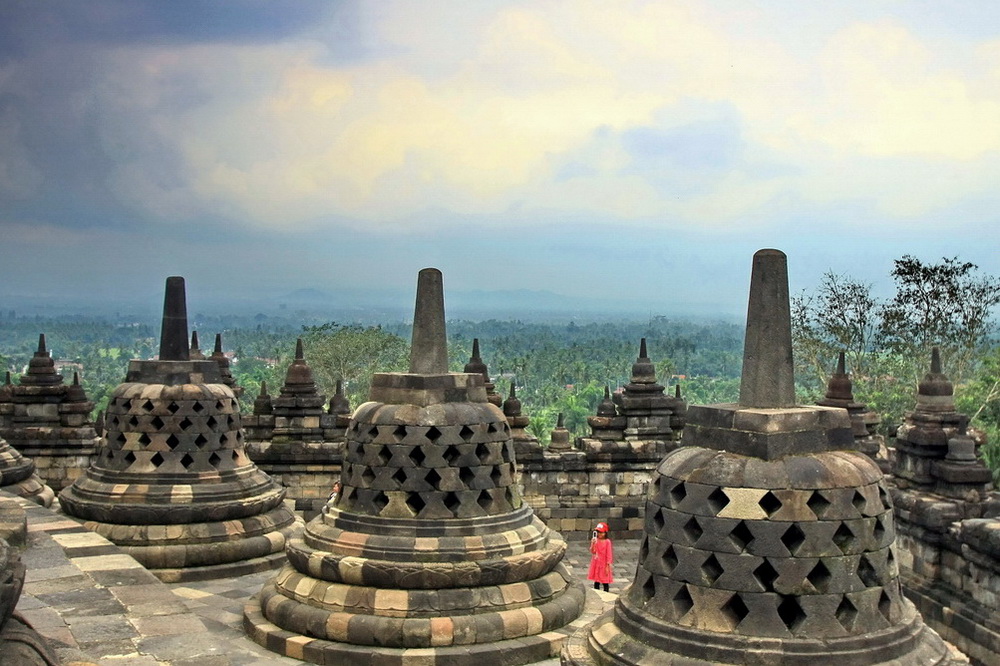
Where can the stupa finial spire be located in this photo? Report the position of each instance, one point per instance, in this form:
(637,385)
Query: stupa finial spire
(768,379)
(174,330)
(429,348)
(41,344)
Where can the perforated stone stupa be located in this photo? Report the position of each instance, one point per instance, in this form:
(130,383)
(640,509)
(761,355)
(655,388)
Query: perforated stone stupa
(172,484)
(769,539)
(840,393)
(428,555)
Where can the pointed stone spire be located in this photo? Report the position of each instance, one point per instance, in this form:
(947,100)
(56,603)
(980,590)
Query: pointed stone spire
(195,352)
(936,392)
(475,364)
(75,392)
(174,330)
(559,440)
(41,368)
(512,406)
(606,407)
(429,345)
(262,403)
(643,370)
(222,360)
(840,387)
(768,381)
(299,378)
(339,403)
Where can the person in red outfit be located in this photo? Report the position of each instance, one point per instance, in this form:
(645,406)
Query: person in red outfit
(603,558)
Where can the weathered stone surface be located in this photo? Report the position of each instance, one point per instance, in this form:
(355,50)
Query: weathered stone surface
(767,538)
(171,483)
(428,551)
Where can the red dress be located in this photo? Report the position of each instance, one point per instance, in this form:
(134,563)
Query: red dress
(600,563)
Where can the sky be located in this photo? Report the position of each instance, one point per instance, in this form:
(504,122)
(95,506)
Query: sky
(639,151)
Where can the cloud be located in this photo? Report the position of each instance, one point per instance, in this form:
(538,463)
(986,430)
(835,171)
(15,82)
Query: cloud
(649,114)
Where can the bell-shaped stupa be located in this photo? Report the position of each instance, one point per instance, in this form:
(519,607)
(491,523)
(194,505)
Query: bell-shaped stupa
(172,484)
(769,539)
(428,554)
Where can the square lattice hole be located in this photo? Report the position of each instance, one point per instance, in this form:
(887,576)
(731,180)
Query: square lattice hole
(859,501)
(156,459)
(485,500)
(452,503)
(820,577)
(658,521)
(184,424)
(187,461)
(157,422)
(173,407)
(677,495)
(466,433)
(173,442)
(399,477)
(451,454)
(433,478)
(399,434)
(417,455)
(483,453)
(144,439)
(433,434)
(415,502)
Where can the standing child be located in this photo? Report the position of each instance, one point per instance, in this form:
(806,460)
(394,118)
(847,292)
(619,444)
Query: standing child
(603,558)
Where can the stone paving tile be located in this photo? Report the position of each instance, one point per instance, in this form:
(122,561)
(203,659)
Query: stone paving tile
(98,606)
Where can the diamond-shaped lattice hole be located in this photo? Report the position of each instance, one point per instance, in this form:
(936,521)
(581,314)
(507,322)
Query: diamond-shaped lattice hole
(230,422)
(466,433)
(148,406)
(791,613)
(214,459)
(769,503)
(884,497)
(383,454)
(224,438)
(236,454)
(878,530)
(156,459)
(417,455)
(373,432)
(507,452)
(485,500)
(173,442)
(820,577)
(682,602)
(677,495)
(134,421)
(129,457)
(433,434)
(399,434)
(198,407)
(793,538)
(846,613)
(711,569)
(859,501)
(741,536)
(121,438)
(649,588)
(211,422)
(219,405)
(890,560)
(144,439)
(765,575)
(451,502)
(187,461)
(818,503)
(658,521)
(844,538)
(200,440)
(491,428)
(433,478)
(693,530)
(379,501)
(884,605)
(173,407)
(669,560)
(450,454)
(867,573)
(643,550)
(157,422)
(718,500)
(126,405)
(496,476)
(482,452)
(185,423)
(399,477)
(466,476)
(367,476)
(415,502)
(735,609)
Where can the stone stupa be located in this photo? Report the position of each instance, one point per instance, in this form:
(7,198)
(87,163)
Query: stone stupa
(172,484)
(429,554)
(769,538)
